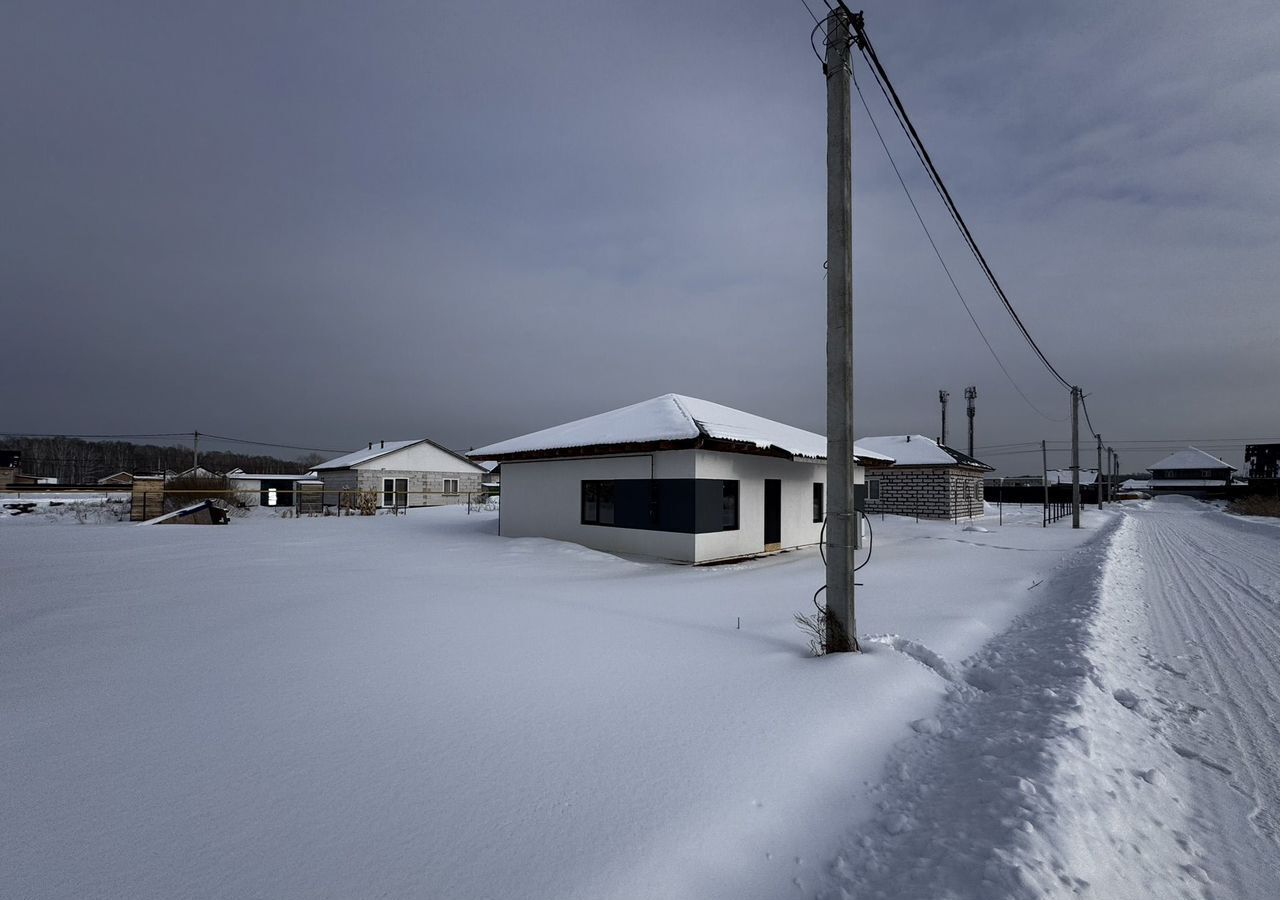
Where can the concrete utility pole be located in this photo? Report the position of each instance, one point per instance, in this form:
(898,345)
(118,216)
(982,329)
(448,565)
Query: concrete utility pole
(1111,474)
(1044,479)
(971,394)
(943,397)
(842,634)
(1075,457)
(1099,481)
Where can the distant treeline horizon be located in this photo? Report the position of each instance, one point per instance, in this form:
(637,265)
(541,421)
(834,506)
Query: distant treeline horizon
(78,461)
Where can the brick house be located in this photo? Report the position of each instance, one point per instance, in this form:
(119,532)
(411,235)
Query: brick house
(927,479)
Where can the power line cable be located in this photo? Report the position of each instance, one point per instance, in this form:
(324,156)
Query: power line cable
(868,52)
(810,12)
(938,254)
(233,440)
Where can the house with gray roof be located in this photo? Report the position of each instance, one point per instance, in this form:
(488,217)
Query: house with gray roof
(1190,471)
(402,473)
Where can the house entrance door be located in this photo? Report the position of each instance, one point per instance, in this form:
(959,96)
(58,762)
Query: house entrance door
(772,514)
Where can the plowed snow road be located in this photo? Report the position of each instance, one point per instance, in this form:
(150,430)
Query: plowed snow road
(1211,586)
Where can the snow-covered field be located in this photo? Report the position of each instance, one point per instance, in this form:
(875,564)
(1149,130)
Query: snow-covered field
(413,706)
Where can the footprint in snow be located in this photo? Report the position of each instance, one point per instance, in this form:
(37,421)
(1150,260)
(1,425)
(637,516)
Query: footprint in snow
(1126,698)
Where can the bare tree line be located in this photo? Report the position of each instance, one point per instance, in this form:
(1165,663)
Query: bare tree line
(77,461)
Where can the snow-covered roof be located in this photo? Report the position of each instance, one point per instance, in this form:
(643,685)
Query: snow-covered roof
(671,417)
(1063,476)
(918,450)
(247,476)
(1190,458)
(361,456)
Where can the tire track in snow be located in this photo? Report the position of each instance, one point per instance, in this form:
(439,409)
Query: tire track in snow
(1211,587)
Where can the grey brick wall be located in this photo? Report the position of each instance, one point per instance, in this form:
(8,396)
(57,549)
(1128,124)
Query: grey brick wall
(425,488)
(930,492)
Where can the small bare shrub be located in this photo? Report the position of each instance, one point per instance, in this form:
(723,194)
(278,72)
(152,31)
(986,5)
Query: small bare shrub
(363,502)
(815,629)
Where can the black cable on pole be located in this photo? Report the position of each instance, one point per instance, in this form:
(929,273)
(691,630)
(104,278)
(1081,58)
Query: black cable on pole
(868,50)
(938,254)
(233,440)
(1085,407)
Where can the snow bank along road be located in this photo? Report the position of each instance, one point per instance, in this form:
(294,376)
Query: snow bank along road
(1120,740)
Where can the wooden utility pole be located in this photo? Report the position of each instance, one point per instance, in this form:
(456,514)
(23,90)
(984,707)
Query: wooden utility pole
(842,634)
(195,451)
(1075,457)
(1099,481)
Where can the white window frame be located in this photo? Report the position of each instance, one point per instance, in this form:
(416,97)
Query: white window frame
(446,486)
(395,492)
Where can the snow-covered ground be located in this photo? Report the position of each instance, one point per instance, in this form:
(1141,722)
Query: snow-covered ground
(413,706)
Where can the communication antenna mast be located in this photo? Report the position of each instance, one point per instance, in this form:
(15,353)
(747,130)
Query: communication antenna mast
(971,394)
(943,396)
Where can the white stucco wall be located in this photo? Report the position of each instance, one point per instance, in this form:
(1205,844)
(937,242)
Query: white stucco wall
(798,527)
(542,499)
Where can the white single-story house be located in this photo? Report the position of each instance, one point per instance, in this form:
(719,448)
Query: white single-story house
(672,478)
(927,479)
(403,473)
(1190,471)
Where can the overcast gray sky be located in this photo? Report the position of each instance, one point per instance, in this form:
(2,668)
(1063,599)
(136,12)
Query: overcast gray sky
(328,223)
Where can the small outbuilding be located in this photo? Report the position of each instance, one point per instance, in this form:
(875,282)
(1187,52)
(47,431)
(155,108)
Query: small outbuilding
(673,478)
(928,480)
(272,491)
(402,473)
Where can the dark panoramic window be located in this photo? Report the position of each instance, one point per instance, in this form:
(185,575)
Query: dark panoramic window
(729,506)
(597,502)
(817,502)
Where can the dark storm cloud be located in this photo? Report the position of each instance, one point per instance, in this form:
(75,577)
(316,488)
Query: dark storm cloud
(331,223)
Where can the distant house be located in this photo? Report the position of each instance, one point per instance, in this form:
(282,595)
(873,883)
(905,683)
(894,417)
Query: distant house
(672,478)
(403,473)
(267,490)
(1264,469)
(927,479)
(195,472)
(1263,460)
(117,478)
(1190,471)
(1088,477)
